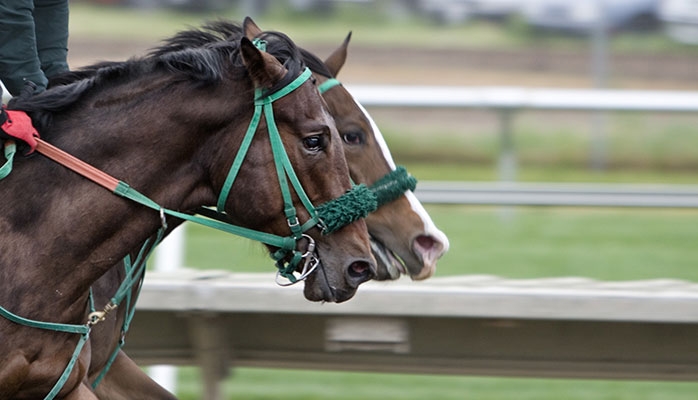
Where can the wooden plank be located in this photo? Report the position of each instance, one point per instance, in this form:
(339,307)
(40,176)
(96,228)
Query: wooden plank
(475,325)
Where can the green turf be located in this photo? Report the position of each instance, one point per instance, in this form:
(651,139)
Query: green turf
(608,244)
(268,384)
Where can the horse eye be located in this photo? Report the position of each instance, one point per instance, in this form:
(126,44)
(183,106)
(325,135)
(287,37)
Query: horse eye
(313,143)
(352,138)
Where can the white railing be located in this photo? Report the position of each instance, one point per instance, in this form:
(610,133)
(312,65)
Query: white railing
(506,101)
(519,98)
(559,194)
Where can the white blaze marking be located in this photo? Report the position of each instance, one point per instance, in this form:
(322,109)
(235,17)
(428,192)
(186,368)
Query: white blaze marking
(429,226)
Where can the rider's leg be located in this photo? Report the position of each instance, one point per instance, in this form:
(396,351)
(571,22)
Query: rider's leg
(19,60)
(51,27)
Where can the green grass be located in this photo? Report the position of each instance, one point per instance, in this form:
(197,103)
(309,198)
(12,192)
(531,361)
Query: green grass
(607,244)
(268,384)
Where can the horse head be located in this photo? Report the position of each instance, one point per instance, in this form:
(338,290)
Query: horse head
(404,239)
(313,147)
(402,233)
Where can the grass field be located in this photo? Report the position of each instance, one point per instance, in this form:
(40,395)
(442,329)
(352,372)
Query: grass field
(611,244)
(256,384)
(607,244)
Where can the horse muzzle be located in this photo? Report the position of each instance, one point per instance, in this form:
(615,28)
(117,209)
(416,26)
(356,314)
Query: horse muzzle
(318,287)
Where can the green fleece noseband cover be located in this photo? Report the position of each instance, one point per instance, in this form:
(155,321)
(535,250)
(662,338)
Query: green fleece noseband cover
(356,203)
(361,200)
(393,185)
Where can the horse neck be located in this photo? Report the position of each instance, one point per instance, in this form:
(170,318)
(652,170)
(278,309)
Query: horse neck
(64,231)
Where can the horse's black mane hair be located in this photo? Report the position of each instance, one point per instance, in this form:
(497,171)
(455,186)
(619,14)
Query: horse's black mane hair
(315,64)
(222,30)
(199,55)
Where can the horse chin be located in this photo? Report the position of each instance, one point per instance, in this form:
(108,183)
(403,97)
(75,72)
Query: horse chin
(389,265)
(418,264)
(317,288)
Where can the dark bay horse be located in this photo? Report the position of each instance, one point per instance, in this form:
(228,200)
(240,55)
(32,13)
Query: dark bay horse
(402,223)
(170,126)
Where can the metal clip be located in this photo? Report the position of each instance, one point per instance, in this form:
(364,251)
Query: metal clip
(322,226)
(310,250)
(163,221)
(98,316)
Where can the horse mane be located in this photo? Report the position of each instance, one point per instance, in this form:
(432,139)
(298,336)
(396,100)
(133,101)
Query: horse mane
(315,64)
(219,32)
(210,33)
(199,55)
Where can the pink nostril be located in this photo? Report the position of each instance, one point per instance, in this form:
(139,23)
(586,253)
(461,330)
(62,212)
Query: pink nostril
(425,242)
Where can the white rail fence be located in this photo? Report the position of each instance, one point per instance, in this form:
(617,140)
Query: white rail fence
(518,98)
(559,194)
(507,101)
(566,327)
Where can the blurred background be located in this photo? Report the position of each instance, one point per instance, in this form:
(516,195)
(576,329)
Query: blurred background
(582,44)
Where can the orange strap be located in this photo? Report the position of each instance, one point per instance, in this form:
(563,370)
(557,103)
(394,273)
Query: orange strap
(76,165)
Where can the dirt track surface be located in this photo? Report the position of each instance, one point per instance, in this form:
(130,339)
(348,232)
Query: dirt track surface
(531,67)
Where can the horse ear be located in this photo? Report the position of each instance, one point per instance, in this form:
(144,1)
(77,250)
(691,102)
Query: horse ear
(250,28)
(263,68)
(336,60)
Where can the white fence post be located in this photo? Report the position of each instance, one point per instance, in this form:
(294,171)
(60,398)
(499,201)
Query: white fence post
(169,257)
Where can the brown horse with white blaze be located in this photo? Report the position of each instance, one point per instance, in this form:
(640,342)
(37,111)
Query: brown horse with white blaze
(404,238)
(168,126)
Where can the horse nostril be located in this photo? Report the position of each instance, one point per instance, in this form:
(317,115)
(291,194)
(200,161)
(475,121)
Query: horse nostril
(425,242)
(359,270)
